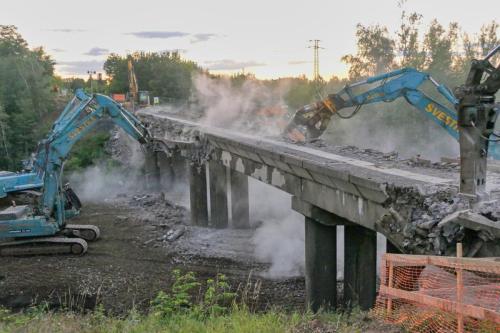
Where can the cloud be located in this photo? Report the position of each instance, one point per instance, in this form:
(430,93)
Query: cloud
(66,30)
(158,34)
(298,62)
(79,67)
(58,50)
(97,51)
(202,37)
(227,64)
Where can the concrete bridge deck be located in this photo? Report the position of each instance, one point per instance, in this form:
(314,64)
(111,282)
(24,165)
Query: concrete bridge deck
(405,203)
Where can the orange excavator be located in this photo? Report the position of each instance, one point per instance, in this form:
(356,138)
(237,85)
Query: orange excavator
(132,83)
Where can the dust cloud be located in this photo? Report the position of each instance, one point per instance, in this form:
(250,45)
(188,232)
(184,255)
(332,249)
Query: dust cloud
(254,108)
(389,127)
(250,106)
(100,182)
(279,239)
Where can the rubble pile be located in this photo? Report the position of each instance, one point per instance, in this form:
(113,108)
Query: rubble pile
(390,159)
(165,221)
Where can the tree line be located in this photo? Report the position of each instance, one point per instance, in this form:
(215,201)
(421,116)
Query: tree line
(26,97)
(163,74)
(29,104)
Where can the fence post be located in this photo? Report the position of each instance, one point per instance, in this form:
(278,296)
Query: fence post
(389,284)
(460,291)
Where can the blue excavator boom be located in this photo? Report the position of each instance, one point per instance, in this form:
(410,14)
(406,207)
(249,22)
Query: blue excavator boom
(44,225)
(468,114)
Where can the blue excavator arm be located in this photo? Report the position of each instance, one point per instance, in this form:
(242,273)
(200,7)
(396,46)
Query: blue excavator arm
(79,117)
(403,83)
(75,122)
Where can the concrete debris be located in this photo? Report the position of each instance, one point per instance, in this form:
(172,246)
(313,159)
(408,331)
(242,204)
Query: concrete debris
(174,234)
(488,228)
(431,225)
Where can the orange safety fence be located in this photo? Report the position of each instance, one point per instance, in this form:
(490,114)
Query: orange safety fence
(440,294)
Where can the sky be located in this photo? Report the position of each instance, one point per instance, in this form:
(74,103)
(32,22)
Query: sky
(266,37)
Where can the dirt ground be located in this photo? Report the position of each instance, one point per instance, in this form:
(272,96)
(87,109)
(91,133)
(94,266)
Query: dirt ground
(133,260)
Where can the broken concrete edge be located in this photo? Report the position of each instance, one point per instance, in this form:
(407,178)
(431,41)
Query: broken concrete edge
(420,205)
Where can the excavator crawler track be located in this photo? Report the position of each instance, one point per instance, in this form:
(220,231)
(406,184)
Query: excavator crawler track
(89,233)
(44,246)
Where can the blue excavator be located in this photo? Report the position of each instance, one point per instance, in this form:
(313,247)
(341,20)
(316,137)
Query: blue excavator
(42,228)
(470,118)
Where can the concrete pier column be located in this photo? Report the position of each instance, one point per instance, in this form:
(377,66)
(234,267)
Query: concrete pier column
(321,265)
(166,170)
(240,207)
(152,170)
(321,254)
(360,270)
(179,167)
(198,195)
(218,195)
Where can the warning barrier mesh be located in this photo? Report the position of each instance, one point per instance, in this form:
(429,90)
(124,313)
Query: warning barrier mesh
(440,294)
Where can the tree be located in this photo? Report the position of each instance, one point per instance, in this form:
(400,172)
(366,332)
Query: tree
(25,96)
(408,45)
(375,52)
(116,68)
(439,45)
(488,37)
(11,42)
(163,74)
(302,92)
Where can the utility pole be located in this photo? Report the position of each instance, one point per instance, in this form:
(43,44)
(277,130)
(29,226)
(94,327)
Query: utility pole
(315,46)
(91,81)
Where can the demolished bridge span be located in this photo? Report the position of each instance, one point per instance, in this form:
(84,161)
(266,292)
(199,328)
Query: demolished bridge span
(417,207)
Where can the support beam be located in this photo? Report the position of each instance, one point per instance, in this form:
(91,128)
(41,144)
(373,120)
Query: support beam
(198,195)
(152,171)
(360,267)
(240,207)
(321,265)
(218,195)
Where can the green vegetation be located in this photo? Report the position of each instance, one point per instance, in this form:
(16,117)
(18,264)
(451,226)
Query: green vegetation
(189,307)
(87,151)
(26,97)
(163,74)
(238,320)
(444,52)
